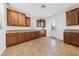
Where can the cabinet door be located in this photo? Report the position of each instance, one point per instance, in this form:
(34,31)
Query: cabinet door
(12,18)
(72,17)
(41,23)
(21,37)
(75,38)
(27,36)
(11,39)
(67,37)
(27,21)
(38,34)
(21,19)
(32,35)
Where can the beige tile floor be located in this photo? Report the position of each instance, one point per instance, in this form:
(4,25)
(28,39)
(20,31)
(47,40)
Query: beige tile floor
(44,46)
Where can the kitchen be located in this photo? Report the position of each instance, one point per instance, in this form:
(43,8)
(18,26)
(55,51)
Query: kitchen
(46,32)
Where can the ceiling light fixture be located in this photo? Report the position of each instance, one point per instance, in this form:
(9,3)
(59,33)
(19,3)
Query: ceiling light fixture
(7,3)
(43,6)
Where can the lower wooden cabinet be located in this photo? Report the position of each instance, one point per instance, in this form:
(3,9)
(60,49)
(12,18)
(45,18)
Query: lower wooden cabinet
(19,37)
(37,34)
(32,35)
(75,38)
(67,37)
(71,38)
(11,39)
(27,36)
(42,34)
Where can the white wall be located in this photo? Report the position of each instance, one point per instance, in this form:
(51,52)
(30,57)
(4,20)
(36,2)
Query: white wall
(2,30)
(60,25)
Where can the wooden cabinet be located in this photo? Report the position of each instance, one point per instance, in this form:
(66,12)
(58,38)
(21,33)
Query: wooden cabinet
(21,37)
(71,38)
(41,23)
(37,34)
(27,36)
(32,35)
(75,38)
(12,18)
(15,18)
(27,21)
(11,39)
(67,37)
(42,34)
(72,17)
(21,19)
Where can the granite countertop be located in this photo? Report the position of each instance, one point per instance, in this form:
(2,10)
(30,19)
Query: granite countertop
(71,30)
(14,31)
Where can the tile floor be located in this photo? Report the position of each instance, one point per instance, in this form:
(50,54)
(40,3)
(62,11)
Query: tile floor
(44,46)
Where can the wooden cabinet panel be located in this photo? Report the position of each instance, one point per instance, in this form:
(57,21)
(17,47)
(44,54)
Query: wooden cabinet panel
(41,23)
(11,39)
(72,17)
(21,37)
(75,38)
(15,18)
(27,36)
(32,35)
(37,34)
(67,37)
(27,21)
(12,18)
(71,38)
(21,19)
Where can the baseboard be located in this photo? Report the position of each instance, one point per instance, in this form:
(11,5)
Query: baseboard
(2,51)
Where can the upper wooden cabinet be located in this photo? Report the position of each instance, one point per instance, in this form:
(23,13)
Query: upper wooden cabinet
(15,18)
(27,21)
(41,23)
(72,17)
(12,17)
(21,19)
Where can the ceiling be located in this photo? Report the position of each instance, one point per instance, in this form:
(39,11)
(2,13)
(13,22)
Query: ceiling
(34,9)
